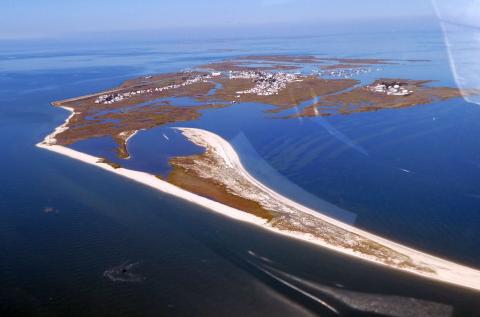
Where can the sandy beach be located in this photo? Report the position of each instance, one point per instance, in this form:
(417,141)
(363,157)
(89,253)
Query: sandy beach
(445,271)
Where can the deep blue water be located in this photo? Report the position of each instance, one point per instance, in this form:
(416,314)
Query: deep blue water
(411,175)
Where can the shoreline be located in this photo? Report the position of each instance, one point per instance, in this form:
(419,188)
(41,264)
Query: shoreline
(445,271)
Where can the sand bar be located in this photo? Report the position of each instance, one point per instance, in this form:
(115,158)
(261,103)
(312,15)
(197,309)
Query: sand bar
(441,269)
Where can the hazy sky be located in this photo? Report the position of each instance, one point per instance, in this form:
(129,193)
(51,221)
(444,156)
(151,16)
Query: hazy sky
(25,18)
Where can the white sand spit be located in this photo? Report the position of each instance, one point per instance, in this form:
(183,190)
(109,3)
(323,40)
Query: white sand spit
(441,269)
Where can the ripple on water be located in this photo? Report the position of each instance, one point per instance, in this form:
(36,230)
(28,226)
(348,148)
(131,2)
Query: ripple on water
(124,272)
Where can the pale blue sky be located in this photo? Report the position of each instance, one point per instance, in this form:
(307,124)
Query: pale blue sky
(27,18)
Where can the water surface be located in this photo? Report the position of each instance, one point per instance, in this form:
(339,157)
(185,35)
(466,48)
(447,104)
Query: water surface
(411,175)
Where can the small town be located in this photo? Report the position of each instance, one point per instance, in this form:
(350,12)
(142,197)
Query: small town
(391,89)
(266,84)
(112,98)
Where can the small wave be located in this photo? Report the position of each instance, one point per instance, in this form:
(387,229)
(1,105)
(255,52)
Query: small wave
(124,273)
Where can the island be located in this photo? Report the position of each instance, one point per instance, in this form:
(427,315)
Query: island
(216,179)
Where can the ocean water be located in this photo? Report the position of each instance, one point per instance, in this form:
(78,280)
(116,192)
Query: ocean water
(66,228)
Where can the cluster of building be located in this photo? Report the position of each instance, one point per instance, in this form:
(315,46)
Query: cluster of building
(116,97)
(112,98)
(266,84)
(392,89)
